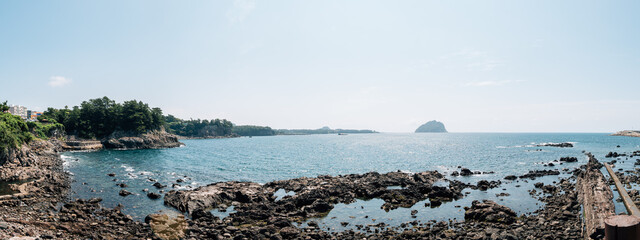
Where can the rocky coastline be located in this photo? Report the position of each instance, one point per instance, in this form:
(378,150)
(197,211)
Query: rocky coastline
(260,215)
(41,209)
(233,135)
(151,140)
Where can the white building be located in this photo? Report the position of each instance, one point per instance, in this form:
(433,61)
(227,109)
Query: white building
(18,110)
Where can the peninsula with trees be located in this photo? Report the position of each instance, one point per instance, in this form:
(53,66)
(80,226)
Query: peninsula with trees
(103,122)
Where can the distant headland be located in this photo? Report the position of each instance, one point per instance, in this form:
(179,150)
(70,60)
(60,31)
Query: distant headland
(432,126)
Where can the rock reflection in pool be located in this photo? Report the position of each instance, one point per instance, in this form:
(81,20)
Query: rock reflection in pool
(282,193)
(363,212)
(223,214)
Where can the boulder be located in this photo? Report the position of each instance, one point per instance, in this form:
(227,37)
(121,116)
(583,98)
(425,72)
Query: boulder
(489,211)
(465,172)
(124,193)
(153,195)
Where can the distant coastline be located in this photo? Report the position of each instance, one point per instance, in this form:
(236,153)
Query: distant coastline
(323,130)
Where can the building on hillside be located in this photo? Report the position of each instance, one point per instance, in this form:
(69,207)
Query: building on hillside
(18,110)
(34,115)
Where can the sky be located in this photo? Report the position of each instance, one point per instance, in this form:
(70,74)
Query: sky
(390,66)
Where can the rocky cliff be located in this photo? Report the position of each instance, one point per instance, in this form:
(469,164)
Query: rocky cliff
(29,161)
(432,126)
(150,140)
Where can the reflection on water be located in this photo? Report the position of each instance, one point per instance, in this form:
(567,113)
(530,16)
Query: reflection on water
(223,213)
(282,193)
(370,212)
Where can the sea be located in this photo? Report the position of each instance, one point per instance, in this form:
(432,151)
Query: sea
(264,159)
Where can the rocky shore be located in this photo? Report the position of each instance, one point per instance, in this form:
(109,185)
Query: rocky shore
(150,140)
(259,214)
(42,211)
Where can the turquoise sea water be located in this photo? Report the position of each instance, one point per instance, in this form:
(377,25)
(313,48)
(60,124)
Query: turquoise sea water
(264,159)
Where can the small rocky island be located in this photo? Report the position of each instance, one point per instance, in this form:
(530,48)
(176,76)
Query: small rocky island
(432,126)
(627,133)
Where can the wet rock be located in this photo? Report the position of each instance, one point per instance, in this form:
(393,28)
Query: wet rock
(465,172)
(615,155)
(455,173)
(539,173)
(489,211)
(484,184)
(510,177)
(561,145)
(568,159)
(122,185)
(289,232)
(153,195)
(549,188)
(199,213)
(538,185)
(159,185)
(124,193)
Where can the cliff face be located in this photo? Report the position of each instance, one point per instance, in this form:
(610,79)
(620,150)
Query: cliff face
(151,140)
(432,126)
(30,161)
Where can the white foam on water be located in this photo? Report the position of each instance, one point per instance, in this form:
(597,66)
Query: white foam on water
(132,175)
(127,168)
(66,160)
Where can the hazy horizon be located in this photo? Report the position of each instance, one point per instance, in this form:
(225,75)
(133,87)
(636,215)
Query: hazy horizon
(489,66)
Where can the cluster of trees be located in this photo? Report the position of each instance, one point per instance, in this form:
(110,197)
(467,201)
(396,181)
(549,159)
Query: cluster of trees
(97,118)
(13,131)
(100,117)
(250,130)
(198,128)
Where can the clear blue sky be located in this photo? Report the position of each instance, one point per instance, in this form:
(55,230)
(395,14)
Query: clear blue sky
(478,66)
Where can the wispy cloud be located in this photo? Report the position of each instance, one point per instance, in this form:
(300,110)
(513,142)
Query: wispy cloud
(240,10)
(59,81)
(475,60)
(490,83)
